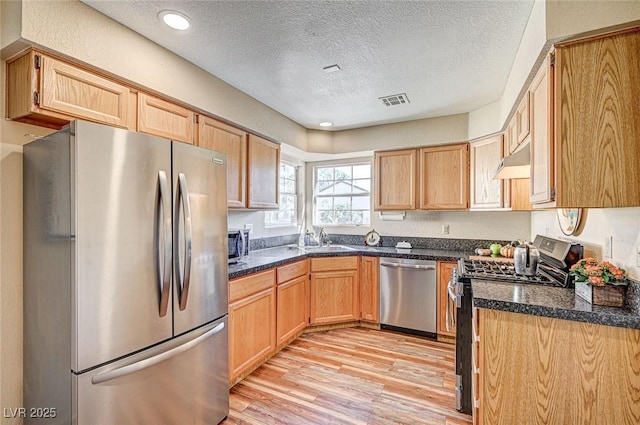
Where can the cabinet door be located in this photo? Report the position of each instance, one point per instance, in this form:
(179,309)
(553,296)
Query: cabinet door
(334,297)
(224,138)
(523,120)
(164,119)
(598,122)
(486,192)
(369,289)
(444,275)
(292,310)
(42,90)
(444,177)
(542,155)
(395,180)
(252,331)
(264,172)
(519,193)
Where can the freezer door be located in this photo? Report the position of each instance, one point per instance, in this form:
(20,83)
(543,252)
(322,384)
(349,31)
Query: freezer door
(121,261)
(200,236)
(183,381)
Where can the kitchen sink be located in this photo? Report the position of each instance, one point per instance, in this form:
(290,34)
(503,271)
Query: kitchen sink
(330,248)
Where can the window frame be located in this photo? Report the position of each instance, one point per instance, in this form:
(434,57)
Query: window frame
(295,196)
(315,196)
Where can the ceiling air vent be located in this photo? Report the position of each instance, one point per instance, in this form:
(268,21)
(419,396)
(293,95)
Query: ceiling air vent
(395,99)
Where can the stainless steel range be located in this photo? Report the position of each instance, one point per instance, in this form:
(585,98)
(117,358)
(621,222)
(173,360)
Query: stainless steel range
(556,257)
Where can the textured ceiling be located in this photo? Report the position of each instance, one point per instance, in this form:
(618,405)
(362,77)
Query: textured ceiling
(449,57)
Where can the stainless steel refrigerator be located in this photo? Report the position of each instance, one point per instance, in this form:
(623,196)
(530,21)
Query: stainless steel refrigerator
(125,279)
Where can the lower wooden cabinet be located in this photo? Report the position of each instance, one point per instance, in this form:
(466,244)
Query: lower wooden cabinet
(370,289)
(292,300)
(540,370)
(444,275)
(252,321)
(334,290)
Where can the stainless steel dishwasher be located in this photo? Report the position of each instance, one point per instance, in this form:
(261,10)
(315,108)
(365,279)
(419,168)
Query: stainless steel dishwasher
(408,296)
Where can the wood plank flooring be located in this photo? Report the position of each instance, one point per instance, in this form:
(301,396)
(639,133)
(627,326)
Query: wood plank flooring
(351,376)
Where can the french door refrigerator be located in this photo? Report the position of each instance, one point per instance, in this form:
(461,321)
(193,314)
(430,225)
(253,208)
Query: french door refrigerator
(125,280)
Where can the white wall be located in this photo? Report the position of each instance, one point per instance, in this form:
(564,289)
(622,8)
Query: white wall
(621,223)
(568,17)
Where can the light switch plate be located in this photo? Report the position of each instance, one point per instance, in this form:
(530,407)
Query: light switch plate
(608,247)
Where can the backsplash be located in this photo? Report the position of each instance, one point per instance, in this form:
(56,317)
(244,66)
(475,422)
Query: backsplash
(273,241)
(424,243)
(633,296)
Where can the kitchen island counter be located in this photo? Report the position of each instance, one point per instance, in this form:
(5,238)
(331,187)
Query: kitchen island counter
(559,303)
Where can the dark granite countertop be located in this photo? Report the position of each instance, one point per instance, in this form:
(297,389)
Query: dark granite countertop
(264,259)
(559,303)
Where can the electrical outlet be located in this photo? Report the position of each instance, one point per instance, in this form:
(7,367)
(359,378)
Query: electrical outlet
(638,256)
(445,229)
(608,247)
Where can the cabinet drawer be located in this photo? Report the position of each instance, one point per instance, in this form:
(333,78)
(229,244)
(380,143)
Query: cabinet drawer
(291,271)
(245,286)
(334,263)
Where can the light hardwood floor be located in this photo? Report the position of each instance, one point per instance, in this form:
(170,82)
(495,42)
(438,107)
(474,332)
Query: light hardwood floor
(351,376)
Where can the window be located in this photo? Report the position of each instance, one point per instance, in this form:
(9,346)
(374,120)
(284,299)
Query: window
(342,195)
(287,215)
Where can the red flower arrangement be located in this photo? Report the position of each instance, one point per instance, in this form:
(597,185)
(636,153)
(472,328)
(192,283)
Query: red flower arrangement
(598,273)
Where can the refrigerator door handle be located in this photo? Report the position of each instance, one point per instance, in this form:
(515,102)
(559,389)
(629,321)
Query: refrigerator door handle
(164,242)
(154,360)
(184,276)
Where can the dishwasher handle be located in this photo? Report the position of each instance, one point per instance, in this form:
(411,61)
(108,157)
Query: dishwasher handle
(407,266)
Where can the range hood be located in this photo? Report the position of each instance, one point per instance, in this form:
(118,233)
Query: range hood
(515,166)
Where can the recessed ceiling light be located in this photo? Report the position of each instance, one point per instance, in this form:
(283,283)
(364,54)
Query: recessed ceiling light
(331,68)
(175,20)
(325,124)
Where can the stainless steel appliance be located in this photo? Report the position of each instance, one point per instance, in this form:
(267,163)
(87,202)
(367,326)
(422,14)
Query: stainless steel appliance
(125,279)
(556,257)
(525,258)
(408,296)
(237,245)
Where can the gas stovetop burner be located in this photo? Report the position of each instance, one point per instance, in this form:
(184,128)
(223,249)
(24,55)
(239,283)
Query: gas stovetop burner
(504,272)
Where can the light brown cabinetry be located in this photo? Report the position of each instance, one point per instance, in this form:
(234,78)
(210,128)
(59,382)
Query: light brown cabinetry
(542,156)
(221,137)
(165,119)
(395,180)
(43,90)
(597,122)
(370,289)
(292,300)
(444,177)
(522,123)
(444,275)
(519,194)
(252,322)
(539,370)
(334,290)
(485,155)
(263,173)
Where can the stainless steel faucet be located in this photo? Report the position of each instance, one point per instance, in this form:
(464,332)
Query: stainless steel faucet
(322,237)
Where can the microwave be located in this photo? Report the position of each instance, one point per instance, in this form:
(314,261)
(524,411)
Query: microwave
(237,245)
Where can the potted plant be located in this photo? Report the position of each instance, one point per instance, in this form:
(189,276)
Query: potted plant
(600,283)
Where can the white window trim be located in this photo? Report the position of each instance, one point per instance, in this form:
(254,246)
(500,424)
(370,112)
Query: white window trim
(315,197)
(296,199)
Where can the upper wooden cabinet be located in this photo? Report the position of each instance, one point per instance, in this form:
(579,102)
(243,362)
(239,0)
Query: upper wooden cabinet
(522,123)
(49,92)
(485,191)
(444,177)
(395,180)
(263,173)
(165,119)
(586,152)
(221,137)
(542,157)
